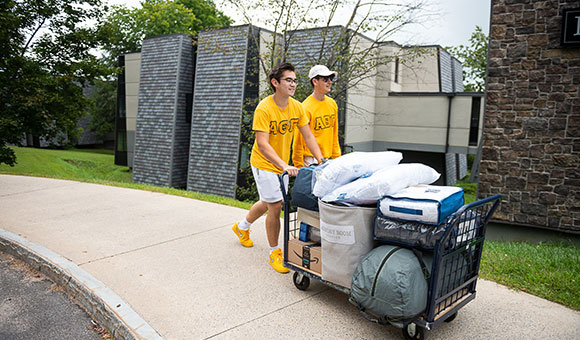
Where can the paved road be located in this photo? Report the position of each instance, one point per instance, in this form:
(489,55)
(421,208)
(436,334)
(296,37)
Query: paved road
(33,308)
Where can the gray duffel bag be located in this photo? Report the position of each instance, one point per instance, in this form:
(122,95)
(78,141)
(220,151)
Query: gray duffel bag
(390,284)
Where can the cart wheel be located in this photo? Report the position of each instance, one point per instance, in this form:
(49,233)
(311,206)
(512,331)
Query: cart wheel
(300,281)
(451,318)
(413,332)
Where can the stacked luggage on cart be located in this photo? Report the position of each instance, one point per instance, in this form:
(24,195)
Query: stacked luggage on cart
(406,252)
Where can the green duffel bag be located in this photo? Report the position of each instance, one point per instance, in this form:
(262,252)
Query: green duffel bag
(390,284)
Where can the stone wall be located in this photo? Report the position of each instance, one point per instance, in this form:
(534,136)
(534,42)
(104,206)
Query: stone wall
(531,144)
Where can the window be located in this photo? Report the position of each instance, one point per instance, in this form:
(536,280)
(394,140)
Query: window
(397,70)
(474,125)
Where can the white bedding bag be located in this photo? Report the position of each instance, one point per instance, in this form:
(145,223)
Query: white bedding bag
(347,168)
(427,204)
(387,181)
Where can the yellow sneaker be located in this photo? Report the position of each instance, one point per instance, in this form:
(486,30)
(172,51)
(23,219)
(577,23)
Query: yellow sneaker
(243,235)
(277,261)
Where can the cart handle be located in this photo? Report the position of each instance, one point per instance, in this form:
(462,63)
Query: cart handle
(282,186)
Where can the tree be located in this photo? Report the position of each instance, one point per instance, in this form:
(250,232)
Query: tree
(45,61)
(124,29)
(102,109)
(474,59)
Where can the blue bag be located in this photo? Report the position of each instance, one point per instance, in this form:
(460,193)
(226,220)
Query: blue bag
(302,190)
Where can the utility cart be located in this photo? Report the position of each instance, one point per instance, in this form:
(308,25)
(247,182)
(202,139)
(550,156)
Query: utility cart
(456,257)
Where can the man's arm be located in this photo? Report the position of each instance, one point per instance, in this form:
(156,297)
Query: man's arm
(311,142)
(335,144)
(298,150)
(263,142)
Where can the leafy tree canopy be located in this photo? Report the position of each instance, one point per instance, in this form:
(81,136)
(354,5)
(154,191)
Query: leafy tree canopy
(125,28)
(474,59)
(45,60)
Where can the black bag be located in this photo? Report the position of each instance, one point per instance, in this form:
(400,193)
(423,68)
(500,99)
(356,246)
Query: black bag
(407,233)
(302,189)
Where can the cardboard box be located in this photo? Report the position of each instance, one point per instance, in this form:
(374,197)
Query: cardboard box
(307,255)
(309,217)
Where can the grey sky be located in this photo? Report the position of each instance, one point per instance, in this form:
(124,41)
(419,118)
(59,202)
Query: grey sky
(453,27)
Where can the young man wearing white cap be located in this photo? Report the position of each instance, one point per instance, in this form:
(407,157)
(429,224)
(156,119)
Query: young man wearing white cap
(322,113)
(276,118)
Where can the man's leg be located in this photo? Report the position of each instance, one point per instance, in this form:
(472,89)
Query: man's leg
(242,228)
(273,223)
(258,209)
(276,259)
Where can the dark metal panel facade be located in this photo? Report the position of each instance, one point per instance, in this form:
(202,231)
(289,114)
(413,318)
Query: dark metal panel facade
(159,141)
(446,71)
(217,110)
(457,75)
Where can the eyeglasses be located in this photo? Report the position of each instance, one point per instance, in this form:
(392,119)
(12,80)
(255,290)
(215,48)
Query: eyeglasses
(290,80)
(326,79)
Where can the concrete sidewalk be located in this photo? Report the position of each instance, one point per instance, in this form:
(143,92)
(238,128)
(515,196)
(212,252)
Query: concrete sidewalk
(177,263)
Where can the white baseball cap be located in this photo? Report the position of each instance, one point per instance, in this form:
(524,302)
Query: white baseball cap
(320,70)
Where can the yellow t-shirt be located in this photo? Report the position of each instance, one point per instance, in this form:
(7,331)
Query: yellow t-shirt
(280,124)
(323,118)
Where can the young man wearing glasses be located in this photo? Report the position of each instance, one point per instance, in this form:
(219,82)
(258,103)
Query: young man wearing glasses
(275,120)
(322,113)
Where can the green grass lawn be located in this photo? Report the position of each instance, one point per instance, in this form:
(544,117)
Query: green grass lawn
(550,271)
(94,166)
(469,189)
(78,164)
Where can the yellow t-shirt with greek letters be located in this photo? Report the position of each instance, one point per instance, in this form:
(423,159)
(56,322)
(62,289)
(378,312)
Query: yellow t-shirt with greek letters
(280,124)
(323,121)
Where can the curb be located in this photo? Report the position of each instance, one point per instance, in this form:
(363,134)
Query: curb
(99,300)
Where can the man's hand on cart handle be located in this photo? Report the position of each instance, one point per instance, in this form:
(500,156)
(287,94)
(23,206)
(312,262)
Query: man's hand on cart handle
(291,170)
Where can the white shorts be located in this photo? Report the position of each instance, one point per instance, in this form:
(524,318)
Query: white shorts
(268,184)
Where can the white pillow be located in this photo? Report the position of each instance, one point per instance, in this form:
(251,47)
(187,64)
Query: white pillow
(351,166)
(387,181)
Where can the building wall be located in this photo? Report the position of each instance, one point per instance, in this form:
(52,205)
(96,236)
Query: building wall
(304,47)
(361,105)
(161,115)
(87,137)
(132,74)
(265,51)
(419,122)
(217,110)
(420,74)
(532,129)
(386,72)
(183,114)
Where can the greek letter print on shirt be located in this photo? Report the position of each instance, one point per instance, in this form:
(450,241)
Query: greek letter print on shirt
(283,127)
(324,122)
